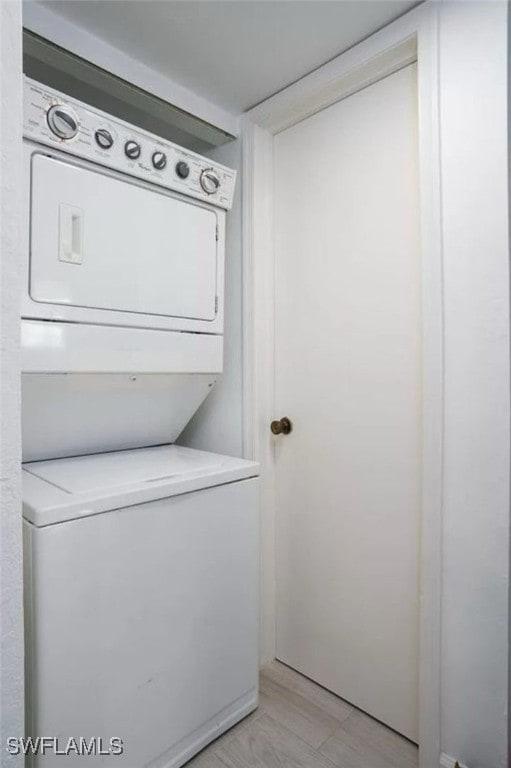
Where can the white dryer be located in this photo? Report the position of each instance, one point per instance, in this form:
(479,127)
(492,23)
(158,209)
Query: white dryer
(141,557)
(123,278)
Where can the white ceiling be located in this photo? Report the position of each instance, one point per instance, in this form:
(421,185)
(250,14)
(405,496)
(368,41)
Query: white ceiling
(234,53)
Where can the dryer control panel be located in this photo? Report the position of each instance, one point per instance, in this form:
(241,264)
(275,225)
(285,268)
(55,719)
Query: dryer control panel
(57,120)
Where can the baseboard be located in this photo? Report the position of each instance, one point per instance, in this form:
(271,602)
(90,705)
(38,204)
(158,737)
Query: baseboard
(449,762)
(183,751)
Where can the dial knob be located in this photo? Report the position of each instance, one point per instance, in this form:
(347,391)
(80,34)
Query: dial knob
(159,160)
(209,181)
(62,122)
(182,169)
(104,138)
(132,149)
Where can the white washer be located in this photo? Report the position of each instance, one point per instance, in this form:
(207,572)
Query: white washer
(141,601)
(141,564)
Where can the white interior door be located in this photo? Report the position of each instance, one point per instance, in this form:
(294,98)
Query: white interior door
(348,375)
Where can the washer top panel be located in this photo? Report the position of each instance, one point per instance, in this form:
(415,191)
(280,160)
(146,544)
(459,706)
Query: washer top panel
(68,489)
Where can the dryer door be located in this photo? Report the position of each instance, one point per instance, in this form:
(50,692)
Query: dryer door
(103,243)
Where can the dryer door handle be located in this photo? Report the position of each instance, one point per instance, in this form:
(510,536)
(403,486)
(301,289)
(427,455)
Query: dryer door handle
(70,234)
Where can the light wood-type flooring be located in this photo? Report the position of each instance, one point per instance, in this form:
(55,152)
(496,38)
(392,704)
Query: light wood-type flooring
(300,725)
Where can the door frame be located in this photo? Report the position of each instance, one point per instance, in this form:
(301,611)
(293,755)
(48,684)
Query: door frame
(412,38)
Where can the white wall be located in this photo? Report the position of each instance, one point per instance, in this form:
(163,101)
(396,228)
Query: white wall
(217,425)
(11,626)
(473,103)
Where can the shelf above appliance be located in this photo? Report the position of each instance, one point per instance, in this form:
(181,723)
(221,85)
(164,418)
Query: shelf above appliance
(59,68)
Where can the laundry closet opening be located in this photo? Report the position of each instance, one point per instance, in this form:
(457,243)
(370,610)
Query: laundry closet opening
(140,620)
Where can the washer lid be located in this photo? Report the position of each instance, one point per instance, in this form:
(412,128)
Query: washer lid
(66,489)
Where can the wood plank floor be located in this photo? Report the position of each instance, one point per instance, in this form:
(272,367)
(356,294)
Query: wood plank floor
(300,725)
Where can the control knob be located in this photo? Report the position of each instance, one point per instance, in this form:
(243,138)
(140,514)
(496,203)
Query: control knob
(104,138)
(132,149)
(159,160)
(209,181)
(62,122)
(182,169)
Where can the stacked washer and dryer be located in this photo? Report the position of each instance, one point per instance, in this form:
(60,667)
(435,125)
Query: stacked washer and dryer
(140,555)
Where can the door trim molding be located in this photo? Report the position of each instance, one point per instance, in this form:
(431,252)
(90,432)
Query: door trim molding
(413,37)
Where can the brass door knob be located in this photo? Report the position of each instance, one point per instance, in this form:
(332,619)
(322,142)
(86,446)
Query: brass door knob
(281,426)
